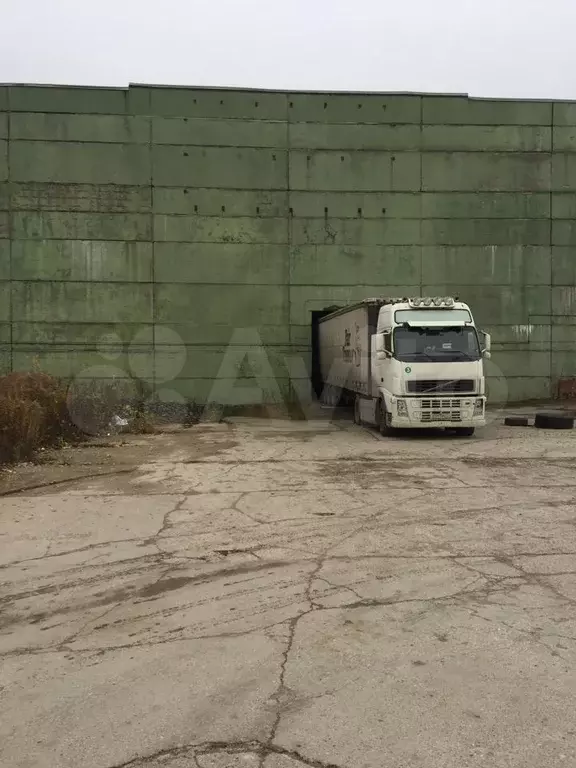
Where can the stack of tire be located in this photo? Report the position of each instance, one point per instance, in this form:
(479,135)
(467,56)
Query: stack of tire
(544,420)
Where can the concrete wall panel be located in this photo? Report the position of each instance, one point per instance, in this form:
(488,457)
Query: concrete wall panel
(260,361)
(348,266)
(210,202)
(489,138)
(563,266)
(5,359)
(564,232)
(98,198)
(79,162)
(5,291)
(234,306)
(5,246)
(499,265)
(564,139)
(351,205)
(564,205)
(498,304)
(73,128)
(181,166)
(563,172)
(48,225)
(95,336)
(3,125)
(332,231)
(238,391)
(355,171)
(472,172)
(4,224)
(486,232)
(564,301)
(461,110)
(219,132)
(488,205)
(354,136)
(564,113)
(67,99)
(78,260)
(220,263)
(353,108)
(525,363)
(68,363)
(192,330)
(210,229)
(43,301)
(3,160)
(218,103)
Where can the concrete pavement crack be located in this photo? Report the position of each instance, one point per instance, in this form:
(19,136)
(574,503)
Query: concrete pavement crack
(67,481)
(195,751)
(153,540)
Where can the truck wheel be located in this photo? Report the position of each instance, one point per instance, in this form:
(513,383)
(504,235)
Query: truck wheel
(384,427)
(554,420)
(357,417)
(464,431)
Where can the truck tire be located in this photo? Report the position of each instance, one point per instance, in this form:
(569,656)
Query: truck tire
(554,420)
(516,421)
(357,417)
(464,431)
(384,421)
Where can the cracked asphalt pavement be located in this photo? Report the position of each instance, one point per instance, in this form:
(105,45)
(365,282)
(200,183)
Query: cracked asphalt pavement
(275,594)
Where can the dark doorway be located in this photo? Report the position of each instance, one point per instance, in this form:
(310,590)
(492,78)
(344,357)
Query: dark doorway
(317,314)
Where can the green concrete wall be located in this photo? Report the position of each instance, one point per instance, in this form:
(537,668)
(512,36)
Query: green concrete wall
(183,236)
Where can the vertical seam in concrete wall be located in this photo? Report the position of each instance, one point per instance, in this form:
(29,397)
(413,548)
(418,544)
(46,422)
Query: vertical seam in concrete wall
(153,244)
(287,213)
(10,283)
(550,235)
(420,204)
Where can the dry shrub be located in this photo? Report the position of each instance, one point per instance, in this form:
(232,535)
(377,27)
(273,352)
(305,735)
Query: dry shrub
(33,414)
(38,410)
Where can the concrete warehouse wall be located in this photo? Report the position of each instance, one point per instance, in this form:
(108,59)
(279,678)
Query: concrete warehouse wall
(144,230)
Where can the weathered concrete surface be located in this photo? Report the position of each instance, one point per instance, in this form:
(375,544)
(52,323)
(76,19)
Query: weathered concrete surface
(188,214)
(279,595)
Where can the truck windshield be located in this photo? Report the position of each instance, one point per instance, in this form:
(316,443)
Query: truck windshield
(437,345)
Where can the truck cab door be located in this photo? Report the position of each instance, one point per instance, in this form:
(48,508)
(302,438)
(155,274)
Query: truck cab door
(381,355)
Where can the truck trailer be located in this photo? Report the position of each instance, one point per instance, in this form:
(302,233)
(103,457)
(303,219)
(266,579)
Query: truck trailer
(405,363)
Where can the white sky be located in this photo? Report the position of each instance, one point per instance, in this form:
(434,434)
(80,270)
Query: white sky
(515,48)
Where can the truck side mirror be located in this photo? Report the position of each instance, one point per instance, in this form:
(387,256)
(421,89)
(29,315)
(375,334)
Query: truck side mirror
(486,345)
(382,345)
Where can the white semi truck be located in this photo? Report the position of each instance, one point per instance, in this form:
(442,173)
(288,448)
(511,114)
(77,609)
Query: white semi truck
(406,363)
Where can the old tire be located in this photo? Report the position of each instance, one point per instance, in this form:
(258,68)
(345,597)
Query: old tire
(516,421)
(464,431)
(384,427)
(554,420)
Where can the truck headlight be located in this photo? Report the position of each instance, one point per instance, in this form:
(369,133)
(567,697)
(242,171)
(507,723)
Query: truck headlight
(401,408)
(479,407)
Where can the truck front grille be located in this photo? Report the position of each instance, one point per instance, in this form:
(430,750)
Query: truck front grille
(437,409)
(440,385)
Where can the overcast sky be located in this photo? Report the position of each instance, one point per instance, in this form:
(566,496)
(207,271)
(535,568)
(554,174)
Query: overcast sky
(516,48)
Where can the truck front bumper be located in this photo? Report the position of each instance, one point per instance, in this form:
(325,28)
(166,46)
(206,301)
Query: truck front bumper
(416,412)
